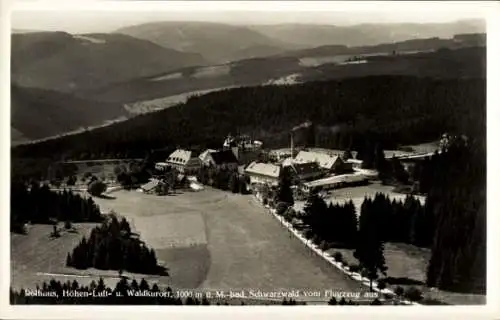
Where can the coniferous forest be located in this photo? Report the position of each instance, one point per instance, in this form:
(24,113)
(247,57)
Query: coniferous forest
(113,246)
(390,110)
(457,201)
(38,204)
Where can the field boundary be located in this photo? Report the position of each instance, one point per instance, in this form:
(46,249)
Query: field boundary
(329,258)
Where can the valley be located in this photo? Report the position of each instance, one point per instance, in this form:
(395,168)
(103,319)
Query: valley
(199,156)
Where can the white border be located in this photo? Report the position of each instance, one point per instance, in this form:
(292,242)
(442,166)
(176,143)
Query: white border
(490,10)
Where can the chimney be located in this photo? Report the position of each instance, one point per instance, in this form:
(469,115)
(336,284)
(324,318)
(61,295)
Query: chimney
(291,143)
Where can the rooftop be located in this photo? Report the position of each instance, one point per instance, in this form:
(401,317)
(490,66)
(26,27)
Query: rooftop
(265,169)
(180,156)
(349,178)
(305,168)
(324,160)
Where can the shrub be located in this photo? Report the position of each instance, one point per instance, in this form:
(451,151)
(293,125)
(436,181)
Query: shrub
(281,208)
(316,239)
(332,301)
(381,285)
(413,294)
(338,256)
(55,232)
(399,291)
(67,224)
(324,245)
(376,302)
(354,268)
(96,188)
(71,181)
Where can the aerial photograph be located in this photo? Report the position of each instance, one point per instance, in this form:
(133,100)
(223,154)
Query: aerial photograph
(247,158)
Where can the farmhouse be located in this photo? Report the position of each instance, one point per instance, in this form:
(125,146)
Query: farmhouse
(263,173)
(223,159)
(331,164)
(184,161)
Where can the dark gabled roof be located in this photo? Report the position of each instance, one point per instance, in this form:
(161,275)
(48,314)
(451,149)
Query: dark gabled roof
(305,168)
(224,156)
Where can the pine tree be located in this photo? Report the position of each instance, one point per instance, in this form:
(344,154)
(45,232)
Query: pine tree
(369,248)
(69,262)
(314,209)
(234,183)
(284,193)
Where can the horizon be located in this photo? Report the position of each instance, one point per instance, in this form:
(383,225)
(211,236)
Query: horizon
(106,17)
(110,29)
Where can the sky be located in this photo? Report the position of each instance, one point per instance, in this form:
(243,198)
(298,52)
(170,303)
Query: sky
(105,16)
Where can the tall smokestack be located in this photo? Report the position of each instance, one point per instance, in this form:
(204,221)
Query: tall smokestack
(291,143)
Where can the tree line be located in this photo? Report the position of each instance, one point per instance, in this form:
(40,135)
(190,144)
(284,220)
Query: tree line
(457,201)
(113,246)
(38,204)
(390,110)
(452,222)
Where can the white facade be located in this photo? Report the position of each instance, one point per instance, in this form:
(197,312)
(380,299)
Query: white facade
(263,173)
(184,162)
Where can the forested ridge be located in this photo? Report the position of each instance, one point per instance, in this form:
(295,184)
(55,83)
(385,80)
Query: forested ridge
(388,109)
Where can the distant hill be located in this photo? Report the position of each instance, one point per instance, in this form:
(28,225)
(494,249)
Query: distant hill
(442,64)
(216,42)
(458,63)
(413,45)
(65,62)
(38,113)
(307,35)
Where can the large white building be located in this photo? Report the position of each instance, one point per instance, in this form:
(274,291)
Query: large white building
(184,161)
(329,163)
(263,173)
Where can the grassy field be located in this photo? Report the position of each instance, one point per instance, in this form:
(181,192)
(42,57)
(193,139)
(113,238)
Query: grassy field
(221,241)
(36,257)
(407,266)
(213,240)
(145,106)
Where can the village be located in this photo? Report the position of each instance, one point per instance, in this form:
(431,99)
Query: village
(259,169)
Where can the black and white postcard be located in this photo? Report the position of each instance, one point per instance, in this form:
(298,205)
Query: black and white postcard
(239,157)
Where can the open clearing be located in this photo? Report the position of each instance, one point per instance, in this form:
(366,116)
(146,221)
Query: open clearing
(407,266)
(146,106)
(217,240)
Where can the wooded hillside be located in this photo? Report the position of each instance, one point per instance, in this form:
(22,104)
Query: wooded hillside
(346,113)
